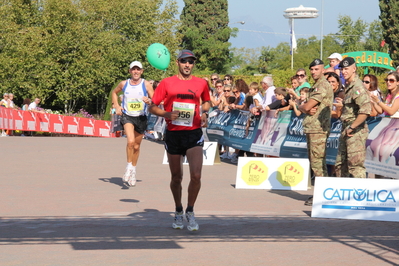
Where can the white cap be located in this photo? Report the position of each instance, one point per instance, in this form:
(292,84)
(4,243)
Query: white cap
(137,64)
(335,56)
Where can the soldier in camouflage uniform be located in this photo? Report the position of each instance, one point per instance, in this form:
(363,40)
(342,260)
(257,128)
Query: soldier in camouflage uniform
(317,123)
(356,108)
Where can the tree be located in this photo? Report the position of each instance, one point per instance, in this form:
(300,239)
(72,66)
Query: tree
(390,24)
(205,30)
(374,38)
(71,53)
(351,34)
(245,61)
(307,50)
(267,56)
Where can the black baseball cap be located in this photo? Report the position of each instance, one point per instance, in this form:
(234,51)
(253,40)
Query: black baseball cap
(186,54)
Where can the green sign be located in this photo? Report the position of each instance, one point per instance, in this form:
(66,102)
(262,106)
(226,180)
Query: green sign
(371,58)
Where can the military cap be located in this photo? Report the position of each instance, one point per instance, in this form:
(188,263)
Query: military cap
(316,62)
(347,61)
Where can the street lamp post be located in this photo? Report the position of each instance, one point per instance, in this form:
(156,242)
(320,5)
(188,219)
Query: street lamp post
(321,35)
(300,12)
(238,22)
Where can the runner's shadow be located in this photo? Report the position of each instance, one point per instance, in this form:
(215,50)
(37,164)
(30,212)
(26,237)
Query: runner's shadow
(130,200)
(116,181)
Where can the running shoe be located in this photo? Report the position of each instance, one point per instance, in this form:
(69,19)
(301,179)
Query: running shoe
(127,175)
(225,155)
(178,223)
(192,223)
(132,179)
(234,158)
(309,201)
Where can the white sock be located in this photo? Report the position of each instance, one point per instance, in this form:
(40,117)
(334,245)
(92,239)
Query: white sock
(134,168)
(129,166)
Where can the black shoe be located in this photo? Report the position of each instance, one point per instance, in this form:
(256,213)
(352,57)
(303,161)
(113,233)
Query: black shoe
(309,201)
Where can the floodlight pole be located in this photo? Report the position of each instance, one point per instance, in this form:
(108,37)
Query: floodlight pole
(292,48)
(321,34)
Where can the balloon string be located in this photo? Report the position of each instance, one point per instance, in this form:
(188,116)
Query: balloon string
(164,74)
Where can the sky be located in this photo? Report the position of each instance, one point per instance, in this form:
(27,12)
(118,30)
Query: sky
(267,16)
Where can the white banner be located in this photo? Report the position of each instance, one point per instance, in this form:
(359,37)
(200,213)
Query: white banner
(272,173)
(356,198)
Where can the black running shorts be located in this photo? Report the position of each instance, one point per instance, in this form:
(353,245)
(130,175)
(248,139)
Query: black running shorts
(178,142)
(139,122)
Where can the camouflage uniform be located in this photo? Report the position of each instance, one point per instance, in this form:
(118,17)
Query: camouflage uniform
(352,150)
(317,126)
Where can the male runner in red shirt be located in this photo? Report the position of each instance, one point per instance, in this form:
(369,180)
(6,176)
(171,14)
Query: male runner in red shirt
(186,102)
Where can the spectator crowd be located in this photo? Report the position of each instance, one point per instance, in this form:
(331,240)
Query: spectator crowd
(341,79)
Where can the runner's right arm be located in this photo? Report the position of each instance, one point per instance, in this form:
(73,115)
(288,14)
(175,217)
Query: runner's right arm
(154,109)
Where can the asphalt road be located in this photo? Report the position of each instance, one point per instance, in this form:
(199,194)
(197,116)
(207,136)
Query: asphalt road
(63,203)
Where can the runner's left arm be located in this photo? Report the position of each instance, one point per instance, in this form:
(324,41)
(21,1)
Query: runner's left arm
(150,92)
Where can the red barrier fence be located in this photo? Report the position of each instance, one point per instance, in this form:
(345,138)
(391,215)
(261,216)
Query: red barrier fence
(33,121)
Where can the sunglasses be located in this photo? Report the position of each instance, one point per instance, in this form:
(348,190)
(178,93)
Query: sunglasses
(214,79)
(390,80)
(184,61)
(226,90)
(366,81)
(226,79)
(235,91)
(300,76)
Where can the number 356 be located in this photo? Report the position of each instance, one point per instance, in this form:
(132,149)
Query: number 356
(183,114)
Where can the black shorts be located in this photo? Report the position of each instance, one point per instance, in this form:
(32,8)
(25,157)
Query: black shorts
(178,142)
(139,122)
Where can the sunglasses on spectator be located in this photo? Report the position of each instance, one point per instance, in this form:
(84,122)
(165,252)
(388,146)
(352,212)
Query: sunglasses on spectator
(366,81)
(235,91)
(184,61)
(214,79)
(226,90)
(300,76)
(390,80)
(226,79)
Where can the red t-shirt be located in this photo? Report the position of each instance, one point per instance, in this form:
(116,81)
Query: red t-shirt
(182,95)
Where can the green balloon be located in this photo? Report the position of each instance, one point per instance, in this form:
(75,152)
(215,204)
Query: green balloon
(158,56)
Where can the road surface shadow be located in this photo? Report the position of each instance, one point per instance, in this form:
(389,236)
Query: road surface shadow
(117,181)
(151,229)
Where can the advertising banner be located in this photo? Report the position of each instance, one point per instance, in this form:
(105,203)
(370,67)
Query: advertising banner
(36,121)
(272,173)
(151,120)
(356,198)
(271,133)
(234,129)
(294,143)
(382,153)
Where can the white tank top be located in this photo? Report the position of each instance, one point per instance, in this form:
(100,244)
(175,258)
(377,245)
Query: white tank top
(132,102)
